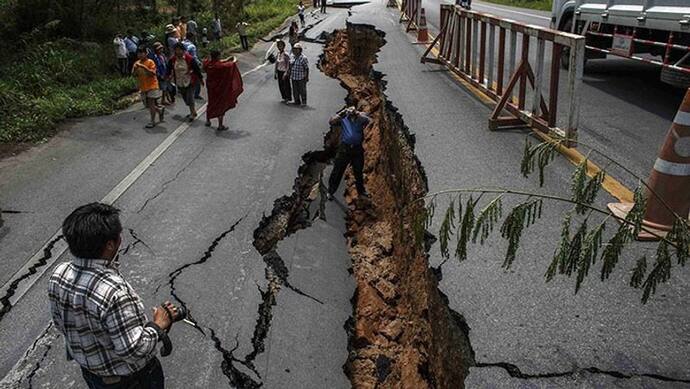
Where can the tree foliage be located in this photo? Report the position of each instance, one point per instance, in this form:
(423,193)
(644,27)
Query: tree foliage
(582,241)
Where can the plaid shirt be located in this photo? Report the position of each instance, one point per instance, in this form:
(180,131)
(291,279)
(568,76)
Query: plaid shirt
(101,317)
(299,66)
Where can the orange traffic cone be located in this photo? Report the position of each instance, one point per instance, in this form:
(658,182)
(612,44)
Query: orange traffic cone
(422,33)
(670,179)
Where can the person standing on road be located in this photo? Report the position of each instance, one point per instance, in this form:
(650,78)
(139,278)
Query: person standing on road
(323,6)
(171,38)
(242,31)
(182,26)
(145,71)
(293,34)
(120,54)
(350,150)
(192,27)
(216,28)
(223,84)
(184,71)
(189,45)
(299,74)
(204,37)
(99,314)
(158,57)
(281,72)
(300,12)
(132,43)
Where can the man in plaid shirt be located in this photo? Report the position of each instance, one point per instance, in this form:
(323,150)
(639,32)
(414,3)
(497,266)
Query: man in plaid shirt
(299,74)
(101,317)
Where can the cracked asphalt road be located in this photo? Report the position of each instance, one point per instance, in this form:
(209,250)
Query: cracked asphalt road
(204,183)
(207,181)
(514,316)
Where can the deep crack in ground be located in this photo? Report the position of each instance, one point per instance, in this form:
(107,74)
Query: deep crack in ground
(5,299)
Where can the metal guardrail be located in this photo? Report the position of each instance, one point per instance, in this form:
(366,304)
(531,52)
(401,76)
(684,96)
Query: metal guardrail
(485,51)
(410,10)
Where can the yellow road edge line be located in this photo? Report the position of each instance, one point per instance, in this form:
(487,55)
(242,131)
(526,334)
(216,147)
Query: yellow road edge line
(610,184)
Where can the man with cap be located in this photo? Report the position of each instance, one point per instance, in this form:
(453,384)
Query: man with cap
(171,37)
(299,75)
(350,151)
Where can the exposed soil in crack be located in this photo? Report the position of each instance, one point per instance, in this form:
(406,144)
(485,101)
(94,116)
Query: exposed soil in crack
(5,299)
(403,335)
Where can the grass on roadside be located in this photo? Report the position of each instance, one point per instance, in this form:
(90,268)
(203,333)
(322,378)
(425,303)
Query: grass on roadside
(263,17)
(56,80)
(543,5)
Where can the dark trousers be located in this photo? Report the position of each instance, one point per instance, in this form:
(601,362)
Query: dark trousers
(131,59)
(123,65)
(316,3)
(299,91)
(284,86)
(197,91)
(150,377)
(245,42)
(348,155)
(323,7)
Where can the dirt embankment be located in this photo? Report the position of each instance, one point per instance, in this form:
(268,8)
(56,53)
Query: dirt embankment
(403,334)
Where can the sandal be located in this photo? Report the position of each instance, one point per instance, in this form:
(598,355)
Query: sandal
(208,123)
(223,128)
(150,125)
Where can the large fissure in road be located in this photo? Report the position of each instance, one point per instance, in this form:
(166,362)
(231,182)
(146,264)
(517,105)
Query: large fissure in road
(403,334)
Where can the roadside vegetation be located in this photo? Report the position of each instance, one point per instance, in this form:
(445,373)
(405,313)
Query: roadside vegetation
(543,5)
(61,63)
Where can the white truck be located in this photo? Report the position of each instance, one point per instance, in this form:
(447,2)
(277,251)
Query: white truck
(651,31)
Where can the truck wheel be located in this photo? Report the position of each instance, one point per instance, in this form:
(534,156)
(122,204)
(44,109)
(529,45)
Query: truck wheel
(675,77)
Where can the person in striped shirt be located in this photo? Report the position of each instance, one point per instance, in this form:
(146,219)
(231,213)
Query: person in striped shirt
(101,317)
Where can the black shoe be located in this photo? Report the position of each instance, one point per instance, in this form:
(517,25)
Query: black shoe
(329,197)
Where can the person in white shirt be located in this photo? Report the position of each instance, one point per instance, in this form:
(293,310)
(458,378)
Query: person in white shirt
(281,72)
(120,54)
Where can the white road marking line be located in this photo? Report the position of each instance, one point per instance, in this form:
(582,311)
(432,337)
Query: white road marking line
(61,246)
(511,11)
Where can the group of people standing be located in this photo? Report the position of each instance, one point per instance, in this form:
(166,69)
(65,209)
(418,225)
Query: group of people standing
(163,71)
(292,73)
(320,3)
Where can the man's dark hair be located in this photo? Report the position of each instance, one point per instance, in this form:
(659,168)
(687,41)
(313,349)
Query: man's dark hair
(180,45)
(88,228)
(215,54)
(142,49)
(190,35)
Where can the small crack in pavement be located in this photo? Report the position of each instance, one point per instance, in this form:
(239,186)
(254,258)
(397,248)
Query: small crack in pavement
(172,276)
(164,187)
(514,371)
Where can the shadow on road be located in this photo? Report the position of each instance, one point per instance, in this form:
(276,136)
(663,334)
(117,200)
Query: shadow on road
(635,83)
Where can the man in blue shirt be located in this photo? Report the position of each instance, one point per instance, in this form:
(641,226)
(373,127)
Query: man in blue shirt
(350,150)
(131,43)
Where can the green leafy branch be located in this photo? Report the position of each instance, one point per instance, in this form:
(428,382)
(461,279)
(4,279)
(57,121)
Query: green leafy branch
(580,246)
